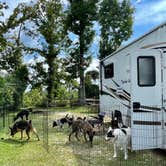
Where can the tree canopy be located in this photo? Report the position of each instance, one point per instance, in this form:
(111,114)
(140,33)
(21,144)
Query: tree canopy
(80,17)
(59,38)
(115,19)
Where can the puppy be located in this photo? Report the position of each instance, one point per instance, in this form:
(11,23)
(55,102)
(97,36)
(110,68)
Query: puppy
(21,126)
(121,138)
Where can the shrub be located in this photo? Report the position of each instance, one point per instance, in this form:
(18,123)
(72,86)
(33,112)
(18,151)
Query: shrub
(34,98)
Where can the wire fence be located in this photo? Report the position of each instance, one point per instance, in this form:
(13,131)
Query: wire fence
(146,134)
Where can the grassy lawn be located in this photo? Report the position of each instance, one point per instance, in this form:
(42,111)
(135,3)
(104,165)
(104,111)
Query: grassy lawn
(16,152)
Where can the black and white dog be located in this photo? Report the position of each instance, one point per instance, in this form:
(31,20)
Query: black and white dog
(60,122)
(119,134)
(120,138)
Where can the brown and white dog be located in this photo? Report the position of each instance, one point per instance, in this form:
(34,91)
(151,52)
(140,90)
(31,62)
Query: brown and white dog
(22,125)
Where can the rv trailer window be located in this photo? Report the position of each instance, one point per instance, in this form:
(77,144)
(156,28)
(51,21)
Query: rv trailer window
(146,71)
(109,71)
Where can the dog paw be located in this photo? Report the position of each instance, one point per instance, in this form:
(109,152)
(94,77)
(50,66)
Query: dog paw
(114,156)
(126,158)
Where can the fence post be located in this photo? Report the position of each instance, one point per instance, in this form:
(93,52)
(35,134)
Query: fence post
(45,128)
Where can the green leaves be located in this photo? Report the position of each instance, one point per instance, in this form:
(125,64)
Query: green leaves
(53,27)
(81,15)
(34,98)
(49,23)
(115,19)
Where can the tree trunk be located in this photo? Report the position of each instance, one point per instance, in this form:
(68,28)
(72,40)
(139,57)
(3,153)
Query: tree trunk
(82,89)
(81,72)
(50,81)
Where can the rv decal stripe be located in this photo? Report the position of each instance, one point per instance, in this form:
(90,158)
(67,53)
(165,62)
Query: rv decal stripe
(106,93)
(113,92)
(126,93)
(116,83)
(124,97)
(151,108)
(137,110)
(113,89)
(156,123)
(120,96)
(114,95)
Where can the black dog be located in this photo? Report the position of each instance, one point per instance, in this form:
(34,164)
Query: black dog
(21,126)
(23,113)
(117,121)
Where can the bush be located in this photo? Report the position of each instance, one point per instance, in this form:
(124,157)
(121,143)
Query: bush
(61,103)
(34,98)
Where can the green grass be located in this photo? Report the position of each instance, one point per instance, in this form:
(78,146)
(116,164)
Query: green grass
(61,152)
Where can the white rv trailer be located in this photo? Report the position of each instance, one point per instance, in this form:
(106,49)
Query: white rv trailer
(133,80)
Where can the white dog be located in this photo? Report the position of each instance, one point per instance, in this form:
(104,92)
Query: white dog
(121,138)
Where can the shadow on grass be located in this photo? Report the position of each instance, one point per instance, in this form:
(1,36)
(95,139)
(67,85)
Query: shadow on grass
(16,141)
(160,152)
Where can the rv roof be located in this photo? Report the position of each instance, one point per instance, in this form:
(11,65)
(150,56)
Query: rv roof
(121,48)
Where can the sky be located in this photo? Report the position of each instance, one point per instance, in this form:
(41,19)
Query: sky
(147,15)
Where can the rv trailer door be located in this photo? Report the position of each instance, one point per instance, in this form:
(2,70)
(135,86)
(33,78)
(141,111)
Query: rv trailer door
(146,96)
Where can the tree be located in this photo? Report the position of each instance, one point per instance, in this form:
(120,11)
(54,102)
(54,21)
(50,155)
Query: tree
(12,53)
(66,83)
(81,14)
(115,19)
(2,39)
(34,98)
(6,92)
(20,82)
(92,89)
(49,24)
(19,15)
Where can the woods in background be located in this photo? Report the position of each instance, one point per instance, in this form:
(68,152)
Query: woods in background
(46,47)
